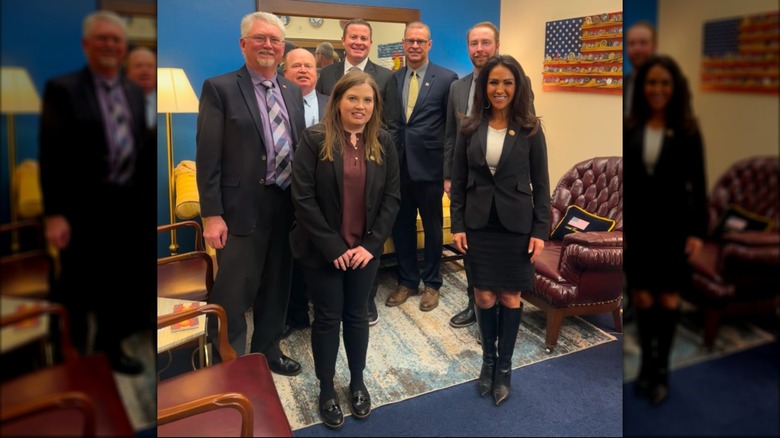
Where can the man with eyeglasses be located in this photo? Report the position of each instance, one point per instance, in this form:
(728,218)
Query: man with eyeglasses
(424,89)
(356,39)
(249,123)
(93,147)
(300,68)
(482,41)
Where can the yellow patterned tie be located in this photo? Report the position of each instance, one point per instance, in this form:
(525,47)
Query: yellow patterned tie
(413,90)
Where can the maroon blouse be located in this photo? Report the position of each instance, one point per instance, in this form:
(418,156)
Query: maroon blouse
(353,193)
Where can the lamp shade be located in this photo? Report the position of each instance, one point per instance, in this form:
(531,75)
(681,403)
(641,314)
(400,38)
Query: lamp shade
(18,93)
(174,92)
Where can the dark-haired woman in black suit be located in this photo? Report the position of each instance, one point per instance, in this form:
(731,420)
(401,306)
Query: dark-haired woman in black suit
(664,212)
(500,209)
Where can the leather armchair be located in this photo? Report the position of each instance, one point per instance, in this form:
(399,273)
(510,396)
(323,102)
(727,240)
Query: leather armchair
(583,273)
(737,274)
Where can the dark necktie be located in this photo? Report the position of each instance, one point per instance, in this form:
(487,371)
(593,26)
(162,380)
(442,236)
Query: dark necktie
(280,136)
(122,163)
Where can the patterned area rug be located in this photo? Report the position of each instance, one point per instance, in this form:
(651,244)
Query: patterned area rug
(412,352)
(139,393)
(688,347)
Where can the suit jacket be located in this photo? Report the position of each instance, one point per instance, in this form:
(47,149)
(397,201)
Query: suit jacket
(316,189)
(422,136)
(676,187)
(74,150)
(458,104)
(522,207)
(231,150)
(385,81)
(322,103)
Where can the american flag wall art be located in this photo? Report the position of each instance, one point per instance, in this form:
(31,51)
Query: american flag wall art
(584,54)
(741,54)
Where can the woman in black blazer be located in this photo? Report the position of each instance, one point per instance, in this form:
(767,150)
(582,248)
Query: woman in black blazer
(500,209)
(346,194)
(664,212)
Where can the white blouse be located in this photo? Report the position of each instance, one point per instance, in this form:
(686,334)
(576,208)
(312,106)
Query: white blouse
(654,138)
(495,145)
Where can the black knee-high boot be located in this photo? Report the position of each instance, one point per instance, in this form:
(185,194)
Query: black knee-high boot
(487,319)
(508,325)
(666,320)
(646,327)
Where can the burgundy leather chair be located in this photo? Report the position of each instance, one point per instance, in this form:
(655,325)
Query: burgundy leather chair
(236,396)
(583,273)
(738,274)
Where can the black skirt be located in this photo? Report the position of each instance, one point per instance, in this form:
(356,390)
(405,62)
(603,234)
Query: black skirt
(498,259)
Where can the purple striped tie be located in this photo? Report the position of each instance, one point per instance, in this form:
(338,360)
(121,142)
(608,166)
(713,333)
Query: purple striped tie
(280,135)
(122,162)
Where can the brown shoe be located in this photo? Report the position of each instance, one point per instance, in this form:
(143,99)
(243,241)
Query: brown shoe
(429,299)
(399,296)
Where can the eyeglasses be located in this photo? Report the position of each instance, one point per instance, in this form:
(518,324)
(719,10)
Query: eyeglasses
(411,41)
(262,39)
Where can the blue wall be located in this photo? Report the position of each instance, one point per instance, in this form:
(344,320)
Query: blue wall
(43,36)
(201,37)
(636,10)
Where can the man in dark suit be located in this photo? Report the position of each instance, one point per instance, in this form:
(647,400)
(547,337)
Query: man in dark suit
(96,177)
(248,125)
(357,39)
(482,41)
(424,88)
(300,67)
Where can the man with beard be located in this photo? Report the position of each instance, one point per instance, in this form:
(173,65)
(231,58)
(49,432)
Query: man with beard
(248,126)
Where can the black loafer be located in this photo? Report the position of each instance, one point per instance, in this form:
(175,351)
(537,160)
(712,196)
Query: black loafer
(285,366)
(361,404)
(331,415)
(373,315)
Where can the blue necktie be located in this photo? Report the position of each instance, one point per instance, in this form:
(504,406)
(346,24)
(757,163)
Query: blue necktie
(122,163)
(280,136)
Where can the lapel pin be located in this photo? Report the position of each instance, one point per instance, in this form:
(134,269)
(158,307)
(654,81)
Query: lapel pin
(512,132)
(427,84)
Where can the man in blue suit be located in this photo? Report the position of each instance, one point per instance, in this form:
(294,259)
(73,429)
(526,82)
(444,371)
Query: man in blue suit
(423,88)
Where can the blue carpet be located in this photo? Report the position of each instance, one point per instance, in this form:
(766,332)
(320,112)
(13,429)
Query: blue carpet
(579,394)
(736,395)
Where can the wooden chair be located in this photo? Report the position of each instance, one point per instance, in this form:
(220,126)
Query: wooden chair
(42,402)
(26,273)
(189,275)
(236,396)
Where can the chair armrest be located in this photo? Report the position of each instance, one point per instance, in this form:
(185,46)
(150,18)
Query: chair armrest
(753,238)
(600,251)
(226,352)
(233,400)
(749,253)
(186,224)
(61,400)
(69,352)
